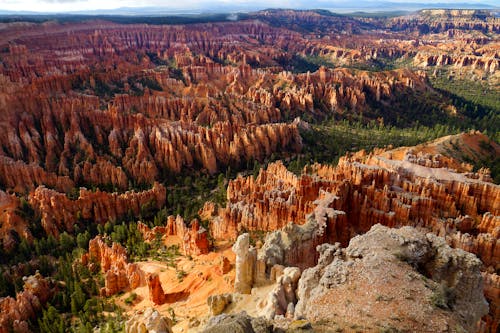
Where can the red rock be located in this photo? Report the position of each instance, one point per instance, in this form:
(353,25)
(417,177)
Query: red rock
(60,213)
(10,220)
(54,132)
(150,235)
(119,274)
(156,293)
(15,313)
(225,265)
(370,189)
(194,238)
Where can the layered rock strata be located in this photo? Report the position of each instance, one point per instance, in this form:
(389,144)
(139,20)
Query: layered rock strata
(112,260)
(393,188)
(60,213)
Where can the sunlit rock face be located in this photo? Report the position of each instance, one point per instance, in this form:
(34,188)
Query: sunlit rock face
(16,312)
(395,188)
(119,274)
(95,115)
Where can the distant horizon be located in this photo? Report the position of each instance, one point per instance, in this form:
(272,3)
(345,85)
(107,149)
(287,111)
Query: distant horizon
(158,7)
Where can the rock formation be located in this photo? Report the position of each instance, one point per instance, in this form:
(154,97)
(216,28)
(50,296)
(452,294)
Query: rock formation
(151,234)
(225,265)
(400,271)
(158,296)
(118,273)
(148,320)
(16,313)
(60,213)
(194,238)
(245,264)
(156,293)
(241,323)
(71,124)
(217,303)
(333,204)
(281,301)
(114,107)
(11,221)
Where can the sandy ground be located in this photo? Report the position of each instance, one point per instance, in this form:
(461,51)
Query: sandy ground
(203,278)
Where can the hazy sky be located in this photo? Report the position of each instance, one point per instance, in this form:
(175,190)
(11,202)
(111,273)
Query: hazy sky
(75,5)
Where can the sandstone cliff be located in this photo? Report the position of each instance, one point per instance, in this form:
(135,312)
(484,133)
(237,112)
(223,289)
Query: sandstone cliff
(99,104)
(386,279)
(194,238)
(137,117)
(11,221)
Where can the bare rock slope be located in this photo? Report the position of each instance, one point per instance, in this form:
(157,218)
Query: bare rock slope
(393,279)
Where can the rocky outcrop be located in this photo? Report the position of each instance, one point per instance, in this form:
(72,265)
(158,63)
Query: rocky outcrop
(362,191)
(151,234)
(115,107)
(156,293)
(158,296)
(11,221)
(225,265)
(137,117)
(281,301)
(270,192)
(22,177)
(217,303)
(289,246)
(118,273)
(490,322)
(245,264)
(241,323)
(441,20)
(311,276)
(148,320)
(486,64)
(194,237)
(16,314)
(83,145)
(385,263)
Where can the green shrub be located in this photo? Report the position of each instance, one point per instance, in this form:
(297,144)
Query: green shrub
(131,298)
